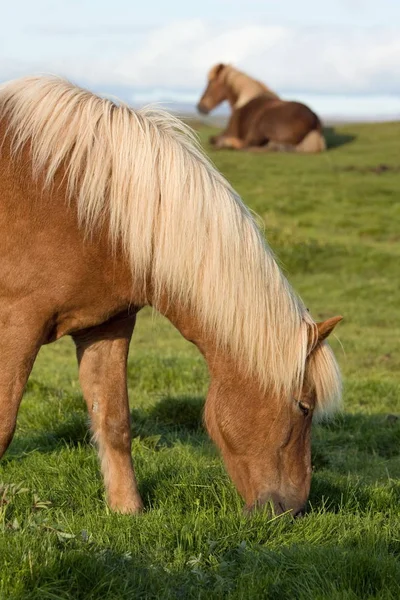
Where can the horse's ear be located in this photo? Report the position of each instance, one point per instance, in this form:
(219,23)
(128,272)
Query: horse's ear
(318,332)
(325,328)
(215,71)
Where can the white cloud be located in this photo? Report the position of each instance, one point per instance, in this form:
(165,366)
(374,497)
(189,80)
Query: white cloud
(177,56)
(330,60)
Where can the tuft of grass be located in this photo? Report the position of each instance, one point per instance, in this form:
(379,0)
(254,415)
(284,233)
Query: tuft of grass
(333,221)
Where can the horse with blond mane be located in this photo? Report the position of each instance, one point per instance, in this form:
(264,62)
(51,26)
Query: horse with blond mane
(259,117)
(105,210)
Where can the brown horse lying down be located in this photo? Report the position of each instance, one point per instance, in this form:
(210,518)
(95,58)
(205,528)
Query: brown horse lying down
(104,210)
(259,117)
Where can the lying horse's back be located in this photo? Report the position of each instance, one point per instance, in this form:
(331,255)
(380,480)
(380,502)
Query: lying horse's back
(263,120)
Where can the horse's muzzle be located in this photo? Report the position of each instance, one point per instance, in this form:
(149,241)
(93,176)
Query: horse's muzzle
(274,508)
(202,109)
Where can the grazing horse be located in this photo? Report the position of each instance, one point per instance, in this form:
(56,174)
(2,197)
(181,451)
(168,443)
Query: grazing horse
(259,117)
(104,210)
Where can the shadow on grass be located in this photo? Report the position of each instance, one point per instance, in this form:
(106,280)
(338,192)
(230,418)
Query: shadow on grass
(332,494)
(334,139)
(178,414)
(350,457)
(90,574)
(377,435)
(241,571)
(170,420)
(71,432)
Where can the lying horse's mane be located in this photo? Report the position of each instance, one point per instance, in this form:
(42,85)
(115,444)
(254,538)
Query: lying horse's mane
(180,224)
(246,87)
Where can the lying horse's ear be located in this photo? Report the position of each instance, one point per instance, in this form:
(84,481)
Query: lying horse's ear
(325,328)
(219,68)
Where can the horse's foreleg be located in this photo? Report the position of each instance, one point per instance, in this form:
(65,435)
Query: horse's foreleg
(230,137)
(218,141)
(102,354)
(231,142)
(20,340)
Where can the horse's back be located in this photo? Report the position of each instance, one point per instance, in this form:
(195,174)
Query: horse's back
(285,122)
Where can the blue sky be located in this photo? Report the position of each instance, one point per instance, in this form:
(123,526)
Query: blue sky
(342,55)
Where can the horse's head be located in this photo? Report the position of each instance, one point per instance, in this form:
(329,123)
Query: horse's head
(215,92)
(265,440)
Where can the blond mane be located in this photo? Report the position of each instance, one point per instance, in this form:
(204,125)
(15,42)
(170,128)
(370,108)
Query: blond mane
(180,223)
(245,87)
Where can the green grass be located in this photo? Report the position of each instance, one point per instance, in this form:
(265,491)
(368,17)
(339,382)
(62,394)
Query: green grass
(333,221)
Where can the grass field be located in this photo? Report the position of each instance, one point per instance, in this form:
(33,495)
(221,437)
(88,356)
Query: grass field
(334,222)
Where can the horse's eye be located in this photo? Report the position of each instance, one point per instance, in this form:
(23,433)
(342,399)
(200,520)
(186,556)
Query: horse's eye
(305,409)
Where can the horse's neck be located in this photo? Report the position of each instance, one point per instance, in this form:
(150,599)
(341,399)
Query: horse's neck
(254,92)
(242,89)
(190,327)
(248,94)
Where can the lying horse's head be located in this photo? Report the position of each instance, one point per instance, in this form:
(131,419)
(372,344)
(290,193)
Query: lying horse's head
(265,438)
(215,92)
